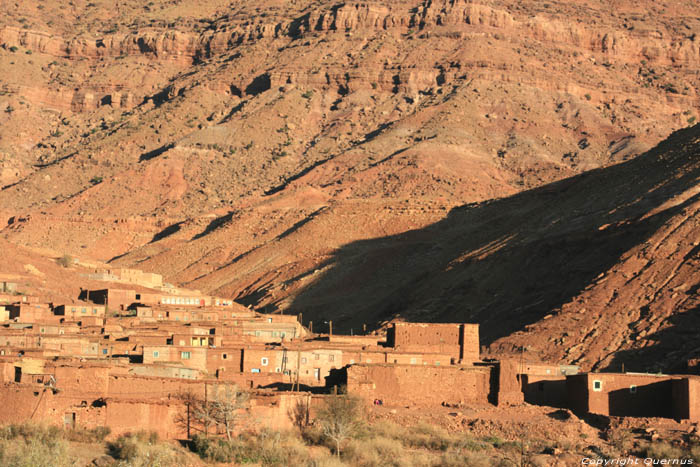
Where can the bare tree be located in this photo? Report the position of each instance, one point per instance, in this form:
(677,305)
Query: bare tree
(299,414)
(198,415)
(340,418)
(228,409)
(224,411)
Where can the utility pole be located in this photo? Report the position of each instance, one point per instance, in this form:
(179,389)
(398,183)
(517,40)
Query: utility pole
(298,364)
(206,407)
(311,327)
(330,328)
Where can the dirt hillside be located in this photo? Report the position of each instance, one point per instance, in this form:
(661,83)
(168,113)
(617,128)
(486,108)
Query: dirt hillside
(345,159)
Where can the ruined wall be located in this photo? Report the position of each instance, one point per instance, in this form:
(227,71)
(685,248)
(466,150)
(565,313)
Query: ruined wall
(419,385)
(509,388)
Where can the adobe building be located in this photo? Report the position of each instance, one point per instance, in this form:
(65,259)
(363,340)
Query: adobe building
(545,384)
(79,310)
(121,357)
(635,395)
(460,341)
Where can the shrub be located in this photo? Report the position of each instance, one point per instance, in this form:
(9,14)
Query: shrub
(88,435)
(495,441)
(661,450)
(96,180)
(468,459)
(375,451)
(124,448)
(14,48)
(308,94)
(265,448)
(340,418)
(216,450)
(429,437)
(36,453)
(66,261)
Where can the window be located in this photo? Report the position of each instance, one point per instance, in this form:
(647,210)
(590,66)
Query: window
(73,310)
(224,356)
(94,311)
(104,351)
(317,356)
(185,355)
(369,360)
(83,310)
(331,358)
(597,385)
(138,296)
(437,363)
(413,361)
(182,342)
(263,361)
(156,354)
(303,359)
(269,320)
(277,370)
(633,389)
(352,361)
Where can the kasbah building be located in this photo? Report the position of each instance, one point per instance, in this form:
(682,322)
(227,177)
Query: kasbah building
(123,358)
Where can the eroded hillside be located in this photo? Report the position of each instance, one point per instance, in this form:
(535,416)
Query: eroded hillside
(305,155)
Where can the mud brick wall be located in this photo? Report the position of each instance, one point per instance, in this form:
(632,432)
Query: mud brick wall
(508,385)
(545,390)
(233,363)
(419,385)
(629,395)
(686,398)
(460,341)
(92,381)
(125,416)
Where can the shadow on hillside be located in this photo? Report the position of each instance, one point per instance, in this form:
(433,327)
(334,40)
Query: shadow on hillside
(669,349)
(505,263)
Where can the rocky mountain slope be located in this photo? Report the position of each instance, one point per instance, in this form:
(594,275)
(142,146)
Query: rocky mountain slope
(316,156)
